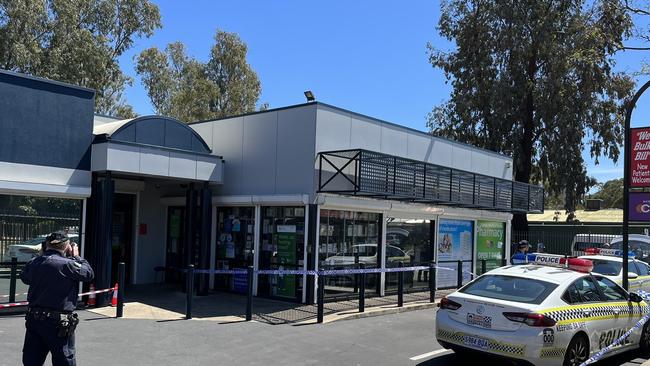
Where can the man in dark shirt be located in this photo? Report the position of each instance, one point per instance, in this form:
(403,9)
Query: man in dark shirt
(53,281)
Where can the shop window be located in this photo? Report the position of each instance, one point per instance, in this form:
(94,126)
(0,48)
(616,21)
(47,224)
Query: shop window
(235,245)
(408,241)
(282,247)
(348,239)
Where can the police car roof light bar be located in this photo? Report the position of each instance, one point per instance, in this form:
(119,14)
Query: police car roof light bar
(553,260)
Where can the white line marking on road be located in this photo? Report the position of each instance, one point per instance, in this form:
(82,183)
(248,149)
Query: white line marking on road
(429,354)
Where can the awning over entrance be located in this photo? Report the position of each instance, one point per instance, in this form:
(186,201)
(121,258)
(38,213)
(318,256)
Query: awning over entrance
(154,146)
(372,174)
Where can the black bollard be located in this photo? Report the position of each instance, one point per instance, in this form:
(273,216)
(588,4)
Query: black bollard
(504,262)
(249,294)
(12,279)
(362,288)
(400,286)
(190,291)
(121,286)
(483,266)
(356,276)
(460,274)
(320,298)
(432,282)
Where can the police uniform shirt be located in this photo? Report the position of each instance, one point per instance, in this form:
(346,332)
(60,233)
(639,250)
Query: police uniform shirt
(54,280)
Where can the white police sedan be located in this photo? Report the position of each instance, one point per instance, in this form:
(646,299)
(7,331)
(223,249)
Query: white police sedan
(609,262)
(541,312)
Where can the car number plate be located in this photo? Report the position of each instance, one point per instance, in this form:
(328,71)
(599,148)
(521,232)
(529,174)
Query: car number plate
(476,342)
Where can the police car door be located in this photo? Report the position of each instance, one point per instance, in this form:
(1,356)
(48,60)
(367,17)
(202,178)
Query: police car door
(618,313)
(594,314)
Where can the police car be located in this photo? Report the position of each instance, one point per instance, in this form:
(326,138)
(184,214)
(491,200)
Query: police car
(550,310)
(609,262)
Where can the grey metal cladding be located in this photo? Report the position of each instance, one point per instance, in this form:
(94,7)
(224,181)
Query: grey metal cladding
(44,122)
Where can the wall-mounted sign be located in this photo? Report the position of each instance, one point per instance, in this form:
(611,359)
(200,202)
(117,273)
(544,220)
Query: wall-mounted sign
(639,208)
(640,157)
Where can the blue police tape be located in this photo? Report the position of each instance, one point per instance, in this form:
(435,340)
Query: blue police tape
(598,355)
(326,272)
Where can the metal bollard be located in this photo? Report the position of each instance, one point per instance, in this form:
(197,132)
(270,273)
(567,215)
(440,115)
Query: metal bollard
(190,291)
(121,276)
(12,279)
(504,262)
(400,286)
(320,298)
(249,294)
(362,289)
(432,282)
(483,266)
(460,274)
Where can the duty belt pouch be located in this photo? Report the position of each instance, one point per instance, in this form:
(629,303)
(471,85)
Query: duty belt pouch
(67,325)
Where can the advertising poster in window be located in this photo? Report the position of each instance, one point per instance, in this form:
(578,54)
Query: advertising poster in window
(454,242)
(490,236)
(285,239)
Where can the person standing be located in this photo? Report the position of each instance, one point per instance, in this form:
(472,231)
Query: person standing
(50,321)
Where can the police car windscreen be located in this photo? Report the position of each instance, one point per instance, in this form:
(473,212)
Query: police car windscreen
(607,268)
(510,288)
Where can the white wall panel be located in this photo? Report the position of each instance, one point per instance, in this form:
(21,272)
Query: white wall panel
(227,141)
(365,134)
(461,158)
(295,150)
(481,163)
(205,131)
(182,165)
(121,158)
(259,156)
(441,153)
(154,162)
(394,141)
(419,147)
(332,130)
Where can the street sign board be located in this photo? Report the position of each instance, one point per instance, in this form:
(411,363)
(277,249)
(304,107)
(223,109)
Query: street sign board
(640,157)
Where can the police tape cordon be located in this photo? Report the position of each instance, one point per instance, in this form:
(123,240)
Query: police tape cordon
(110,289)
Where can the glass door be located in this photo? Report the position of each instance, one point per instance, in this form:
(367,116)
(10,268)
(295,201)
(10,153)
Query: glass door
(175,233)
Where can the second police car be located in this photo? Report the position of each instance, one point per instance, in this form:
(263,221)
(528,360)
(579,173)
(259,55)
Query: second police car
(609,262)
(547,311)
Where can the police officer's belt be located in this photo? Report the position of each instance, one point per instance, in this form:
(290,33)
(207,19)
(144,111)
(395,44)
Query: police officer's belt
(42,313)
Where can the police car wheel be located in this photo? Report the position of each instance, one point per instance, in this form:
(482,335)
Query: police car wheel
(577,352)
(644,342)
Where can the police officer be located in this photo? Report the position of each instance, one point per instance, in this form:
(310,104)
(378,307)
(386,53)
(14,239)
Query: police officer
(53,281)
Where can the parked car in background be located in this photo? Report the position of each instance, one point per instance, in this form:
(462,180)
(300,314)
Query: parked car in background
(638,243)
(583,241)
(31,248)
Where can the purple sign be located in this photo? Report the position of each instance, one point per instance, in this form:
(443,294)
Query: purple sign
(639,207)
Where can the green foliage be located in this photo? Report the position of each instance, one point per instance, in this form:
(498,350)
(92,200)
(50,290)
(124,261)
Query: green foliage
(534,79)
(611,192)
(76,41)
(189,90)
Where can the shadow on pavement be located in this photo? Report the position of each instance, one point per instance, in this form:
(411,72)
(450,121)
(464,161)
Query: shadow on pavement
(224,304)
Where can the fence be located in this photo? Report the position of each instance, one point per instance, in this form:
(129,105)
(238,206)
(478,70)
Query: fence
(15,229)
(561,242)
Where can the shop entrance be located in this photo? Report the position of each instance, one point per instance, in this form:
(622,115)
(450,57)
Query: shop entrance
(122,234)
(174,250)
(235,238)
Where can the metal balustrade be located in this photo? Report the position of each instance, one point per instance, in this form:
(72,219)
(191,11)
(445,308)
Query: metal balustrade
(367,173)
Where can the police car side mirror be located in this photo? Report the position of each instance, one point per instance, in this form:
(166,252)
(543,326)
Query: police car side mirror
(632,275)
(634,297)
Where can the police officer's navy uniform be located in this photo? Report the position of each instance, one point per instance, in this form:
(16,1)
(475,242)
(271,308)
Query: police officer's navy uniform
(53,289)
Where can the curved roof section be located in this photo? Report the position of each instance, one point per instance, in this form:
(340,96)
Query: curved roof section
(154,130)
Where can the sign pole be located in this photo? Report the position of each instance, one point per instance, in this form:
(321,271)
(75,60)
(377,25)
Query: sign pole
(626,180)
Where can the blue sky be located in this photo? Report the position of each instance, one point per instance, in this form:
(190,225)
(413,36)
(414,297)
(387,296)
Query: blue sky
(367,56)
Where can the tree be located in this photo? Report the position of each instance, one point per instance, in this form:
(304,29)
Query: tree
(534,80)
(611,192)
(189,90)
(76,41)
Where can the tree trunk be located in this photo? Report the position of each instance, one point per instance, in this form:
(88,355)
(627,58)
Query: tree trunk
(524,160)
